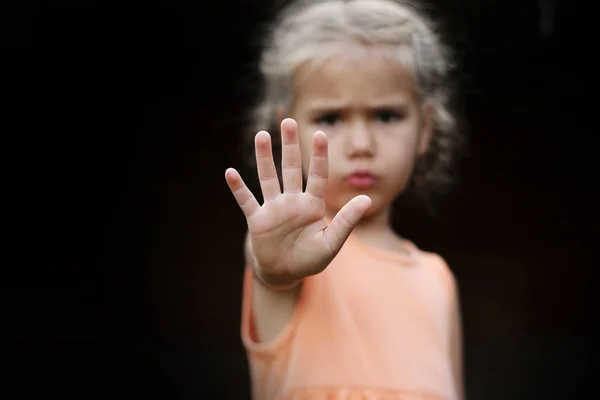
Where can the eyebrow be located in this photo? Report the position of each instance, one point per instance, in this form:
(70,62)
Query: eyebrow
(393,103)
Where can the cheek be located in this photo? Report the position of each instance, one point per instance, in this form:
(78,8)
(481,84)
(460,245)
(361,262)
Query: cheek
(399,161)
(398,148)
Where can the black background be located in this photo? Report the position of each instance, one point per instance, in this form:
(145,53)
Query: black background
(120,123)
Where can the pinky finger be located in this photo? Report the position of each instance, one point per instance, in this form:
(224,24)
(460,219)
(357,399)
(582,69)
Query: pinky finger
(242,194)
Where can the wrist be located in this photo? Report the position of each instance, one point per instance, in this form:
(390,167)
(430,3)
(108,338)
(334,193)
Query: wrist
(279,285)
(273,283)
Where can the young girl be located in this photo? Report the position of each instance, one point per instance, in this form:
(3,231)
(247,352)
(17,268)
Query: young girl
(336,305)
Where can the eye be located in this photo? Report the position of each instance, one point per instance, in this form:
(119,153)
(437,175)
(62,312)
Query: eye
(388,116)
(328,119)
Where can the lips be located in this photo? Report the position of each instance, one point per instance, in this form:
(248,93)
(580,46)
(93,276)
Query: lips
(362,179)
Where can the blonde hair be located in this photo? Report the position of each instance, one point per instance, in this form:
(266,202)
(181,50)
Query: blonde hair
(311,29)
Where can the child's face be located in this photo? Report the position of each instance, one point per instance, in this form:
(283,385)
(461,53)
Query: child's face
(376,127)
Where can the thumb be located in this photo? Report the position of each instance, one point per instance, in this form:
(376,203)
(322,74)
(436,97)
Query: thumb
(345,220)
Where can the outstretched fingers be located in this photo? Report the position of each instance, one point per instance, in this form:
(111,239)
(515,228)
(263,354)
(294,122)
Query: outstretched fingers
(267,173)
(242,194)
(345,220)
(291,158)
(318,170)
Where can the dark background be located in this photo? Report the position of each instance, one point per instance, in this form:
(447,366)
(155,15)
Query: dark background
(120,123)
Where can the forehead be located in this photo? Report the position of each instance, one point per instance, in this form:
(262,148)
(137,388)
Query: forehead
(353,78)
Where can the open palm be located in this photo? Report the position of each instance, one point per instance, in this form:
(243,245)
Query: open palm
(289,235)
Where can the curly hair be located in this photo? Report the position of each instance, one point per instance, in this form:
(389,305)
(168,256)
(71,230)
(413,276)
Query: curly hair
(310,29)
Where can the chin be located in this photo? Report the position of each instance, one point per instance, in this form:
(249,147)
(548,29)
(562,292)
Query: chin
(338,203)
(337,197)
(373,211)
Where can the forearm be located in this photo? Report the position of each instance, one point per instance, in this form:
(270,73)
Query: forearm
(272,306)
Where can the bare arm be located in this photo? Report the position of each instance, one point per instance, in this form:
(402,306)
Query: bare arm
(457,349)
(272,308)
(289,238)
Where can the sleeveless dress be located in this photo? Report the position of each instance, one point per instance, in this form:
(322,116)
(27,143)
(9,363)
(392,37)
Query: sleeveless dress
(373,325)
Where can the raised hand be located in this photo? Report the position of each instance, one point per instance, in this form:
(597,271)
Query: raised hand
(289,235)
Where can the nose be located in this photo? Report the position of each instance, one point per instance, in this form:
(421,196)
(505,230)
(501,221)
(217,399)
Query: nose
(360,141)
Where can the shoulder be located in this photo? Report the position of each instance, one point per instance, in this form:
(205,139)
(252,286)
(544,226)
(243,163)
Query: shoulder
(439,268)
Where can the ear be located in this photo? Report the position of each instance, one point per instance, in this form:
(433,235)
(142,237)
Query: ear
(427,113)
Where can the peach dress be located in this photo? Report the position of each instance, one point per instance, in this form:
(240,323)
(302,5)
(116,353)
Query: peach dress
(374,325)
